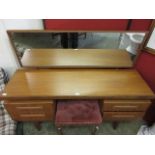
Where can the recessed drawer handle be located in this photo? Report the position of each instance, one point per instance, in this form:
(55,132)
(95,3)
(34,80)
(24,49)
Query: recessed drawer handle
(28,108)
(32,115)
(125,106)
(127,116)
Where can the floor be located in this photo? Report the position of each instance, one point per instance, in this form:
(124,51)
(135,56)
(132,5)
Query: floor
(124,128)
(92,40)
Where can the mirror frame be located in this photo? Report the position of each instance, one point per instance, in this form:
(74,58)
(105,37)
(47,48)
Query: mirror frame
(9,32)
(147,38)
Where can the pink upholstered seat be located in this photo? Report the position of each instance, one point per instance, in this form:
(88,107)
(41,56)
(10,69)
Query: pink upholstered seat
(78,112)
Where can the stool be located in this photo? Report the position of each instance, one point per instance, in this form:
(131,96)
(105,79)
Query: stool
(77,112)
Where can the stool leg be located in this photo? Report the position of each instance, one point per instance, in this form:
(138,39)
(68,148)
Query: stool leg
(95,130)
(60,131)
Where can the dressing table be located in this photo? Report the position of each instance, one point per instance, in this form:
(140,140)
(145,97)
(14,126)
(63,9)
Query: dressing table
(31,94)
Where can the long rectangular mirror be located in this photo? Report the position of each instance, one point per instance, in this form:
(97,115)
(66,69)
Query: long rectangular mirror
(116,46)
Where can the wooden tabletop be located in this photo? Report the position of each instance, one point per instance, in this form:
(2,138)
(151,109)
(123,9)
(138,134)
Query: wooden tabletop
(77,83)
(76,58)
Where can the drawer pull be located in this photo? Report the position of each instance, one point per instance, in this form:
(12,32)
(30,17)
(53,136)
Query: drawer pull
(125,106)
(32,115)
(127,116)
(29,108)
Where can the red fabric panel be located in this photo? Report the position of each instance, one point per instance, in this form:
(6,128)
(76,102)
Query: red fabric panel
(140,24)
(86,24)
(146,67)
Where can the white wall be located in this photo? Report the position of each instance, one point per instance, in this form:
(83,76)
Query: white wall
(7,58)
(23,23)
(151,42)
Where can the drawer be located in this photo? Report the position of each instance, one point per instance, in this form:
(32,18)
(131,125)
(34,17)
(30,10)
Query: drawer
(41,110)
(122,116)
(126,105)
(32,117)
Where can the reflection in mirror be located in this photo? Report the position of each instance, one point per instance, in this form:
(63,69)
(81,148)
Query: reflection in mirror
(23,41)
(131,42)
(81,40)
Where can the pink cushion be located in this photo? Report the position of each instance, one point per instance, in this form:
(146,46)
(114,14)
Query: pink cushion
(78,112)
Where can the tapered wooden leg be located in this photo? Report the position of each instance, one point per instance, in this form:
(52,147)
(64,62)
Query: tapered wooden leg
(95,130)
(114,125)
(149,123)
(38,125)
(60,132)
(19,130)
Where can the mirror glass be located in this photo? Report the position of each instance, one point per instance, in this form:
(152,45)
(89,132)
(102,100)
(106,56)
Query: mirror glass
(23,41)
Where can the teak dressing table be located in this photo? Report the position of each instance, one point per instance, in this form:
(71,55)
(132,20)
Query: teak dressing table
(31,93)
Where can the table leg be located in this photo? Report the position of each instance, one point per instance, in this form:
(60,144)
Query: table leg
(114,125)
(38,125)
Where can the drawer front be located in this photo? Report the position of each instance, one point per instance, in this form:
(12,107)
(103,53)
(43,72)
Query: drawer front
(122,116)
(31,110)
(126,105)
